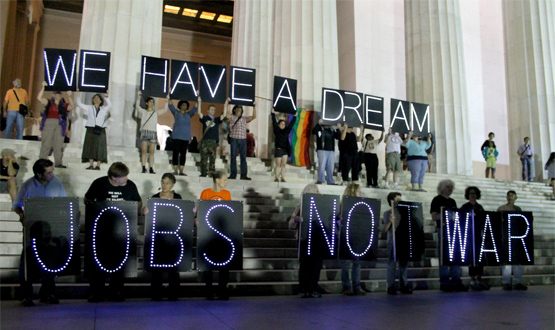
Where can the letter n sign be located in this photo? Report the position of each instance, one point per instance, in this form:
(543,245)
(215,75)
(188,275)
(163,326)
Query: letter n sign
(318,229)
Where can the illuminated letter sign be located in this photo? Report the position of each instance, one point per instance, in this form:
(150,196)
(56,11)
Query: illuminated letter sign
(59,69)
(354,102)
(94,75)
(285,95)
(242,84)
(519,237)
(154,76)
(456,238)
(409,234)
(111,235)
(220,235)
(212,83)
(318,228)
(169,234)
(184,80)
(332,106)
(399,119)
(420,114)
(488,238)
(52,236)
(373,112)
(359,228)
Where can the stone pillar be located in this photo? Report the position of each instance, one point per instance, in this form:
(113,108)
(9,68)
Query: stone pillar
(128,29)
(436,76)
(529,27)
(294,39)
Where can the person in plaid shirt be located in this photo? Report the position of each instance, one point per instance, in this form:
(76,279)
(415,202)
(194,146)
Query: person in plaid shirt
(238,139)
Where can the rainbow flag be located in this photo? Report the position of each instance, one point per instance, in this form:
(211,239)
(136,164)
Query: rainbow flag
(300,138)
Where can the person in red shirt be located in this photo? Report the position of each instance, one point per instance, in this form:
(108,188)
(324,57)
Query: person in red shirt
(220,194)
(251,144)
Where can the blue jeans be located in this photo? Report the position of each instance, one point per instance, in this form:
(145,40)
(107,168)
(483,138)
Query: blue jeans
(392,265)
(526,168)
(448,274)
(355,274)
(417,168)
(326,160)
(14,118)
(238,145)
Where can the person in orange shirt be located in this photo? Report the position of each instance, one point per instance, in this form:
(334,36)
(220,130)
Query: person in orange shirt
(220,194)
(10,110)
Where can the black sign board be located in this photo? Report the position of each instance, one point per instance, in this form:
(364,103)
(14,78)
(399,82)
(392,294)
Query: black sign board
(60,69)
(94,71)
(400,116)
(169,234)
(332,106)
(359,228)
(373,112)
(456,238)
(285,95)
(154,76)
(184,80)
(518,234)
(111,237)
(409,234)
(488,242)
(220,235)
(52,242)
(319,229)
(242,84)
(212,83)
(420,119)
(353,108)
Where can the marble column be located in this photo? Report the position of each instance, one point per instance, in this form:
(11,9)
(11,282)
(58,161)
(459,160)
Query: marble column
(436,76)
(294,39)
(128,29)
(529,27)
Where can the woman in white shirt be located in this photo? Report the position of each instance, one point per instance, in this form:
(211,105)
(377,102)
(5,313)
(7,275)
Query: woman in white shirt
(149,119)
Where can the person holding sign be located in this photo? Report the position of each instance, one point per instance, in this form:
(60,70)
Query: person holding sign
(449,276)
(393,158)
(348,152)
(516,270)
(156,286)
(325,145)
(473,194)
(220,194)
(353,189)
(371,159)
(281,143)
(181,133)
(417,160)
(54,124)
(209,138)
(238,139)
(15,104)
(94,146)
(391,222)
(42,184)
(149,119)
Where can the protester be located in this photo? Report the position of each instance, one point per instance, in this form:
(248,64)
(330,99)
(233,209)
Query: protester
(42,184)
(490,155)
(516,270)
(431,153)
(550,168)
(526,152)
(393,158)
(238,140)
(417,160)
(156,286)
(217,193)
(94,147)
(325,145)
(351,286)
(449,276)
(8,173)
(114,187)
(309,266)
(181,133)
(148,137)
(473,194)
(348,153)
(282,147)
(209,139)
(15,98)
(391,222)
(251,144)
(371,159)
(54,124)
